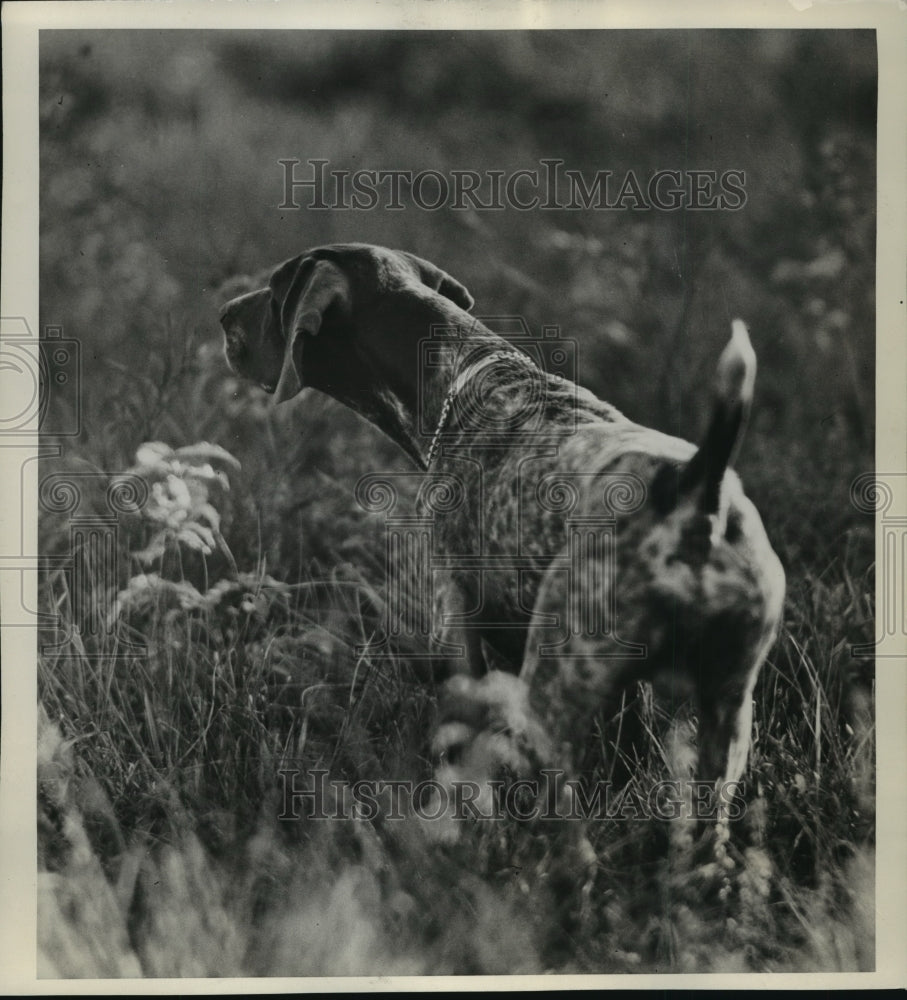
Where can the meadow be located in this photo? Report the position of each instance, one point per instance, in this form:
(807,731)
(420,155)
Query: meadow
(224,647)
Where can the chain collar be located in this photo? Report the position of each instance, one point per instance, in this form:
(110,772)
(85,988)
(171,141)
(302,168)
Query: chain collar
(456,387)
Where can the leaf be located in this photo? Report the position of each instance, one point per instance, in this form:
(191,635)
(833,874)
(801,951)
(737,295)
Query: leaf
(188,596)
(155,549)
(153,453)
(192,453)
(208,513)
(197,537)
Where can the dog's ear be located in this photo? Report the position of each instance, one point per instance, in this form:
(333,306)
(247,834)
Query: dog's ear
(304,290)
(440,281)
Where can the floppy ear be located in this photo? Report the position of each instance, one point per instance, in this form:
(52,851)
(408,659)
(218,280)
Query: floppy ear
(316,287)
(440,281)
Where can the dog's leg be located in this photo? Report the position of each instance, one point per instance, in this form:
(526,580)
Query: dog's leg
(725,727)
(573,670)
(461,643)
(735,640)
(570,676)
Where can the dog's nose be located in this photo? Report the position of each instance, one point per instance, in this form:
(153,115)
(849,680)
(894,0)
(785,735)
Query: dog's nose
(225,313)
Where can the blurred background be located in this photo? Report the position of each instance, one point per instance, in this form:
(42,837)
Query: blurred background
(160,188)
(160,180)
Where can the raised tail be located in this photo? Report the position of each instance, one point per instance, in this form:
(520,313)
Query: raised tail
(733,393)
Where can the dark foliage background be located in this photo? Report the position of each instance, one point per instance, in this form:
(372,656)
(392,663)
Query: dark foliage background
(160,184)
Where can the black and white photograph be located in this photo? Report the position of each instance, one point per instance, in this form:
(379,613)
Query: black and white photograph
(454,496)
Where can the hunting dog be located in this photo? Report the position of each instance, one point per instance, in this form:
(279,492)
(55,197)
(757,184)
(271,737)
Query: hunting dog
(595,552)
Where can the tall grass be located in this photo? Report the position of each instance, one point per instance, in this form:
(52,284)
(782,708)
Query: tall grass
(162,807)
(249,584)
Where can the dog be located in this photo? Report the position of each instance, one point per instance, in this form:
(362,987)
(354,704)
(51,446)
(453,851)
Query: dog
(584,552)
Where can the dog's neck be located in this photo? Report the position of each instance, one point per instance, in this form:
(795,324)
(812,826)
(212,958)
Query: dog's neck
(403,364)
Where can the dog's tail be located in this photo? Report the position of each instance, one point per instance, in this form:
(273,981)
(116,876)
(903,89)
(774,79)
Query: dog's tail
(701,477)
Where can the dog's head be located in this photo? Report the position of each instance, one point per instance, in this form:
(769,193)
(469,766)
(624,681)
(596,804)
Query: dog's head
(330,294)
